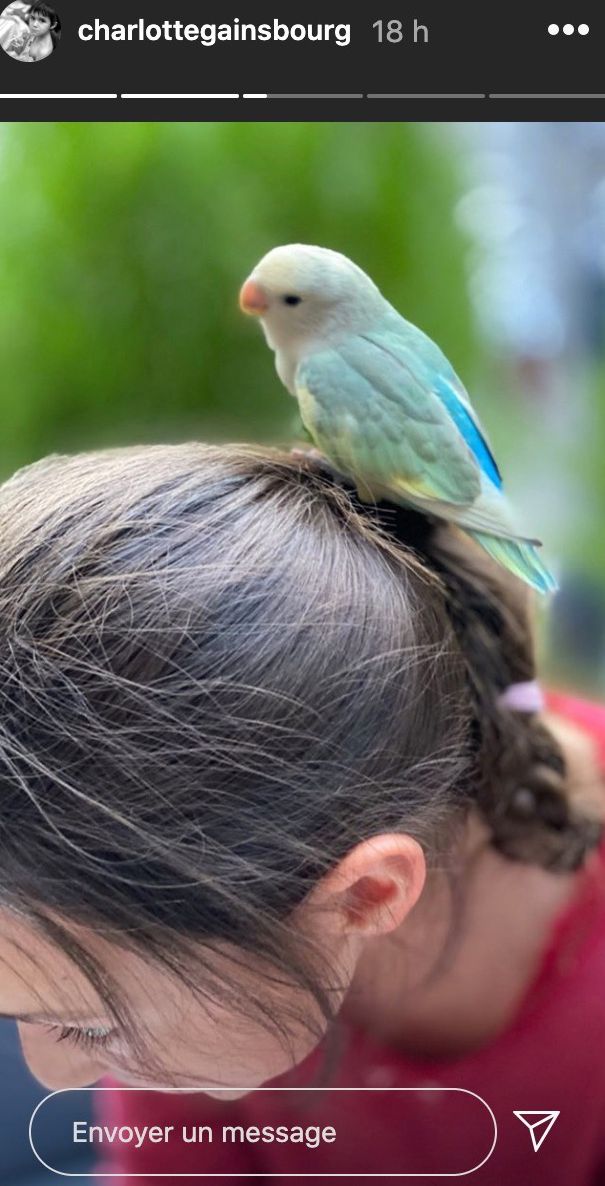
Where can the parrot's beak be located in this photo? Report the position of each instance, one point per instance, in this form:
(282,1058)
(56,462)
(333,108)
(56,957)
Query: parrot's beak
(252,299)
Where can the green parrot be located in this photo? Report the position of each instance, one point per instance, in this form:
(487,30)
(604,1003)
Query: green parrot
(381,401)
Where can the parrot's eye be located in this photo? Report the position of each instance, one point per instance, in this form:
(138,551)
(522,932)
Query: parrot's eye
(291,300)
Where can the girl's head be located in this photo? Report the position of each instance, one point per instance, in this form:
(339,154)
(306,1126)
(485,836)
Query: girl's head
(241,716)
(42,19)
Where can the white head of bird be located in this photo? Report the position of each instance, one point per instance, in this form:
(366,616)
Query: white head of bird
(305,296)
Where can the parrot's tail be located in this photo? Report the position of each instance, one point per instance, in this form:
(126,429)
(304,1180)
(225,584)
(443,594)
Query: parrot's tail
(520,558)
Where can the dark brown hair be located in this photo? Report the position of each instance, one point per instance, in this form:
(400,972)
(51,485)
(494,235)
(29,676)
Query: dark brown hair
(218,673)
(44,10)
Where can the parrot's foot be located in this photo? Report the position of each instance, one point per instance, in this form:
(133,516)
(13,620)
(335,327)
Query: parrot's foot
(307,454)
(320,462)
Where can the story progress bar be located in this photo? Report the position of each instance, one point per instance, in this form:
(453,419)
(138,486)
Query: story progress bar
(305,95)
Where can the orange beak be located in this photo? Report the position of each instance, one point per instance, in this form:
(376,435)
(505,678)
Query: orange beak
(252,299)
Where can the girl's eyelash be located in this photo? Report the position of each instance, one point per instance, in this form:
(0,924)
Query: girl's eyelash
(83,1038)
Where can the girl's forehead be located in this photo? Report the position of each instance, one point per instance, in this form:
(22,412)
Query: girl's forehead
(35,975)
(31,962)
(38,977)
(30,957)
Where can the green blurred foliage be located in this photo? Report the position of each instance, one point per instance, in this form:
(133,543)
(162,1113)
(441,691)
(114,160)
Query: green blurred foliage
(124,247)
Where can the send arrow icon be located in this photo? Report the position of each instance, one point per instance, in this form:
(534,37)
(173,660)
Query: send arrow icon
(539,1125)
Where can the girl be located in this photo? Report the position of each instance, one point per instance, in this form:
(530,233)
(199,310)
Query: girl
(33,32)
(280,805)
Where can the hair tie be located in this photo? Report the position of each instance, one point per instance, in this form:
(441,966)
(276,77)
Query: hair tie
(523,697)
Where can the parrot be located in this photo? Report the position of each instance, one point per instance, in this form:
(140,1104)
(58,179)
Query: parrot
(381,401)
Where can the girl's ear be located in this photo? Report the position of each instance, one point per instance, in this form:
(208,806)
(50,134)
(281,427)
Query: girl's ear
(373,888)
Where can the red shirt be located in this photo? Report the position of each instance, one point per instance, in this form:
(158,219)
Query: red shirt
(551,1057)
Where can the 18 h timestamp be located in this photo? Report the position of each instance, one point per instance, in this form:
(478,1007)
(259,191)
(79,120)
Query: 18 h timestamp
(394,31)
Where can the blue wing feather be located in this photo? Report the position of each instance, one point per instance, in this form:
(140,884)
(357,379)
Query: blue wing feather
(469,430)
(423,360)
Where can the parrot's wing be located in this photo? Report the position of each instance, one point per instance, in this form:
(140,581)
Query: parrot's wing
(376,423)
(491,511)
(490,514)
(396,426)
(432,371)
(376,417)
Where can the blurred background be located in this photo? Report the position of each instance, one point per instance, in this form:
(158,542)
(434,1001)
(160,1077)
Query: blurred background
(124,247)
(122,251)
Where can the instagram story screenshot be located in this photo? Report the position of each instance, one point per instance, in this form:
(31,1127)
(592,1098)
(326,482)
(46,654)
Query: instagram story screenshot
(302,593)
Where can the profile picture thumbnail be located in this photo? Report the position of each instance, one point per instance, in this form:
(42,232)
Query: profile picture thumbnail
(29,32)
